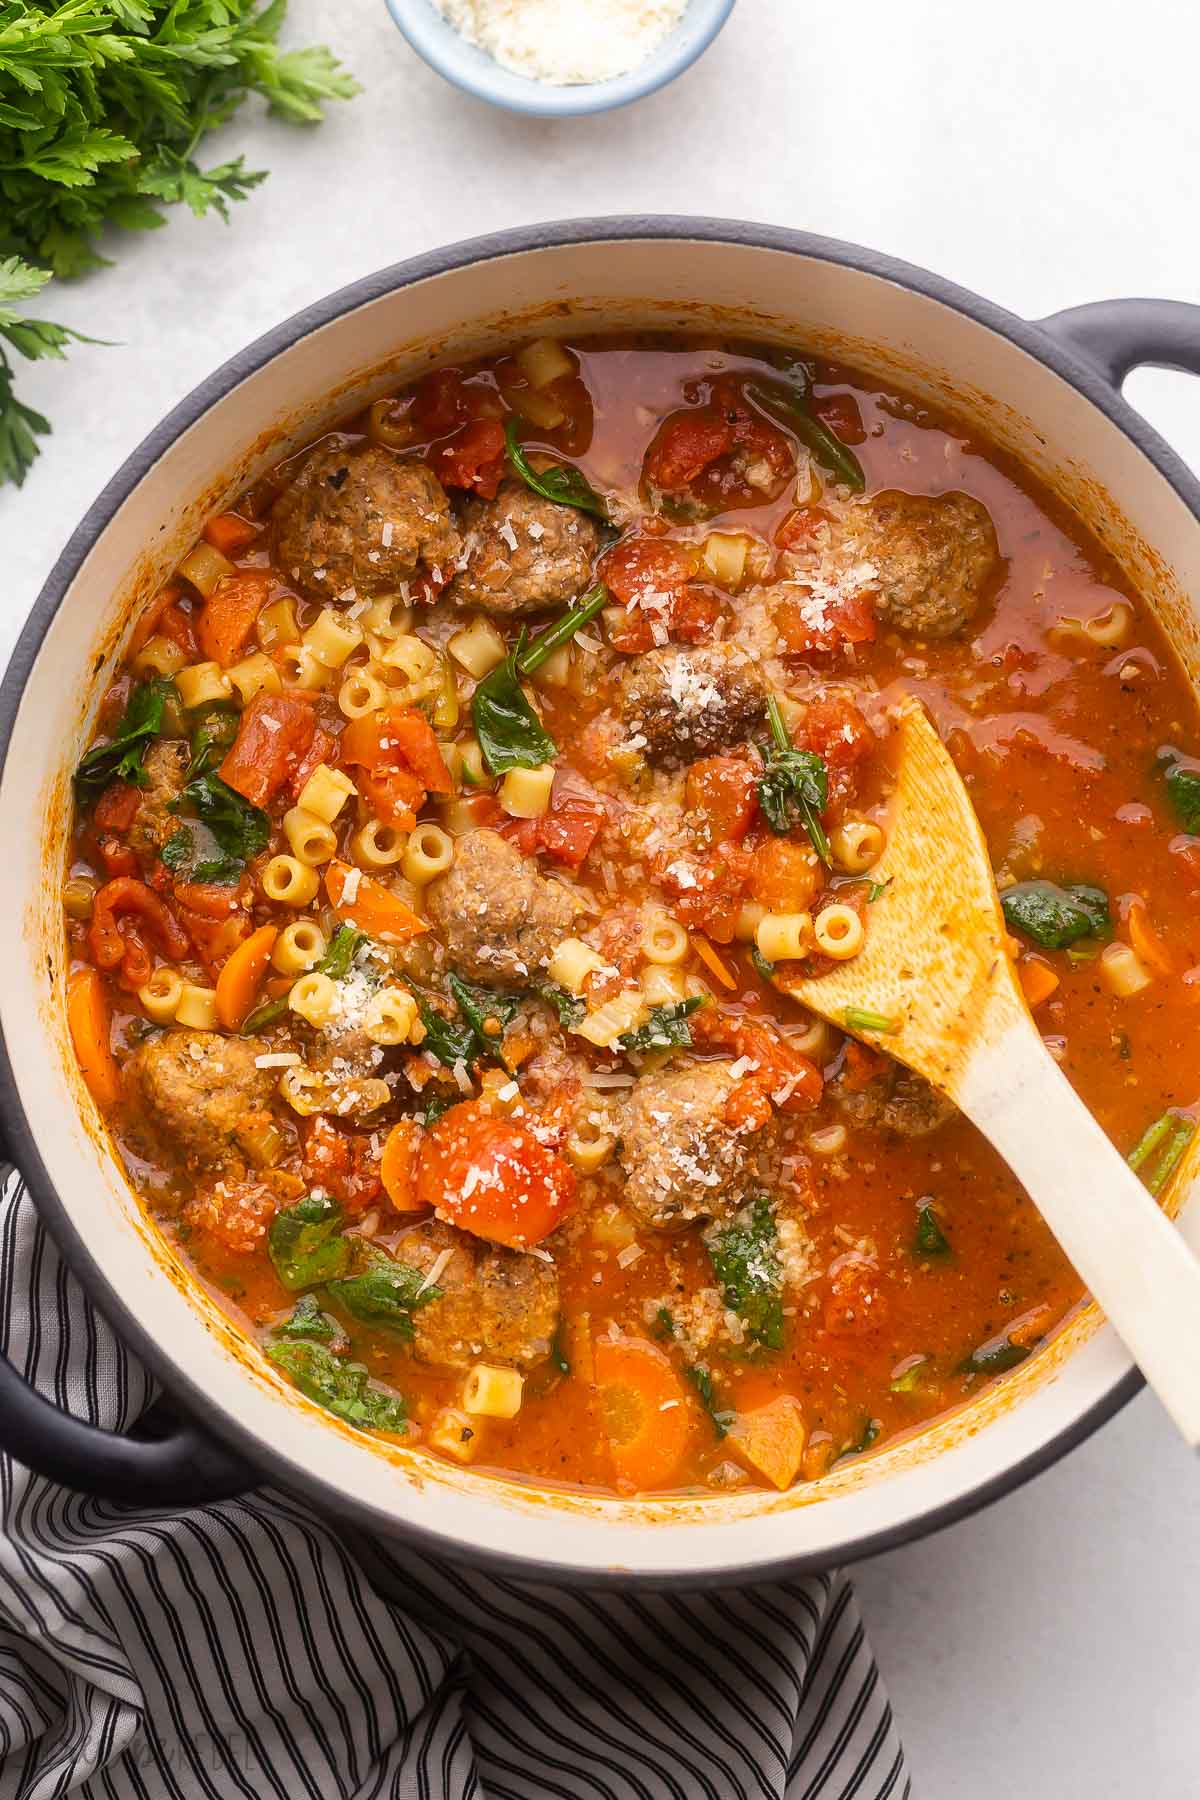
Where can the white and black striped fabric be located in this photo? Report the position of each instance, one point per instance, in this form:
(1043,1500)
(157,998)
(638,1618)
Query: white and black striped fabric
(246,1651)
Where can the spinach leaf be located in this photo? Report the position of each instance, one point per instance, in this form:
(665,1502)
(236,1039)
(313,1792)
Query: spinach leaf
(304,1244)
(701,1379)
(664,1325)
(434,1108)
(745,1260)
(345,945)
(994,1357)
(1183,791)
(479,1007)
(794,408)
(388,1294)
(509,731)
(794,789)
(667,1026)
(308,1321)
(212,734)
(569,1007)
(558,1355)
(344,1388)
(265,1015)
(870,1432)
(930,1240)
(562,482)
(1053,916)
(910,1379)
(176,854)
(450,1043)
(240,830)
(122,757)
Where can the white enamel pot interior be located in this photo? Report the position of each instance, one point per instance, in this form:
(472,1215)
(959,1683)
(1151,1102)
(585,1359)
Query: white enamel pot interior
(1041,398)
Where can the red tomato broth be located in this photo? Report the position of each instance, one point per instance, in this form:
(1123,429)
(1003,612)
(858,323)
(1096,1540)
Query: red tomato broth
(1057,743)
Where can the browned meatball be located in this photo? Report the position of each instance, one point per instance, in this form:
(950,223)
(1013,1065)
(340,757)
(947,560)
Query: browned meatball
(681,1160)
(896,1101)
(494,1303)
(523,554)
(165,768)
(357,520)
(200,1091)
(686,703)
(498,917)
(929,562)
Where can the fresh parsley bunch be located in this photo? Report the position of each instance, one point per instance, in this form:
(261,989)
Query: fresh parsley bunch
(103,107)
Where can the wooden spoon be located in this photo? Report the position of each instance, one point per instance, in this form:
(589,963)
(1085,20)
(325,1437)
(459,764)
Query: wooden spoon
(936,967)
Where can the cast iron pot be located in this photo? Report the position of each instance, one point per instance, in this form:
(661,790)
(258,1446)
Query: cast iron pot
(1048,392)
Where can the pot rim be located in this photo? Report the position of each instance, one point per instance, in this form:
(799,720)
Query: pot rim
(14,1124)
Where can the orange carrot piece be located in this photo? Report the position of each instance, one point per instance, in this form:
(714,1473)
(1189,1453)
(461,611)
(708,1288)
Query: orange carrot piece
(228,616)
(1038,980)
(375,910)
(1146,941)
(770,1440)
(714,963)
(644,1405)
(88,1018)
(398,1168)
(228,533)
(242,977)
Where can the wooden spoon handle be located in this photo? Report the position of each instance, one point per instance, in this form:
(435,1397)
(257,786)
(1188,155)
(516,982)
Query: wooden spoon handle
(1124,1248)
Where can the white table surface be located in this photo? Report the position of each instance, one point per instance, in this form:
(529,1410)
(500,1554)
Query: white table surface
(1042,153)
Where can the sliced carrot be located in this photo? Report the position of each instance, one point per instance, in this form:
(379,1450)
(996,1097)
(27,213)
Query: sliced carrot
(370,906)
(644,1405)
(493,1177)
(228,616)
(1146,941)
(714,963)
(398,1169)
(241,978)
(770,1440)
(1038,980)
(88,1018)
(228,533)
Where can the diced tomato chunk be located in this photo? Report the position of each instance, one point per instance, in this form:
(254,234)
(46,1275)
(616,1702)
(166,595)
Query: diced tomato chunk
(117,806)
(725,790)
(473,458)
(706,896)
(176,625)
(228,615)
(397,762)
(274,733)
(722,453)
(786,875)
(565,834)
(440,402)
(836,730)
(684,446)
(845,619)
(654,578)
(342,1163)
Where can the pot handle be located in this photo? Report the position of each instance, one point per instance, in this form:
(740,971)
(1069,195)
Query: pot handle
(1116,336)
(170,1462)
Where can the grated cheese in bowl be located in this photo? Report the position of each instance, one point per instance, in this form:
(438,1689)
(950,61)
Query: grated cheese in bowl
(565,43)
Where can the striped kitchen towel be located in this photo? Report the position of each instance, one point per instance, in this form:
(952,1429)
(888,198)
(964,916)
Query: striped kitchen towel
(247,1651)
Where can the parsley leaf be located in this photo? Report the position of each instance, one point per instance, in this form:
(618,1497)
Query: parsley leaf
(794,789)
(745,1260)
(1053,916)
(666,1027)
(562,482)
(121,758)
(304,1243)
(33,339)
(467,1041)
(343,1388)
(994,1357)
(308,1321)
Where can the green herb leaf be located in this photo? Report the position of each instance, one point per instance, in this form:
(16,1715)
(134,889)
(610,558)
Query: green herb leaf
(1053,916)
(858,1018)
(510,733)
(265,1015)
(994,1357)
(467,1041)
(121,758)
(212,735)
(870,1433)
(910,1379)
(308,1321)
(240,830)
(569,1007)
(558,1355)
(701,1379)
(664,1324)
(176,853)
(345,945)
(449,1042)
(794,789)
(745,1260)
(1183,790)
(562,482)
(304,1244)
(386,1294)
(794,408)
(434,1109)
(762,967)
(930,1240)
(343,1388)
(667,1027)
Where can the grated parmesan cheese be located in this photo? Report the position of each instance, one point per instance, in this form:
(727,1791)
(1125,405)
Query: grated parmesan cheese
(565,43)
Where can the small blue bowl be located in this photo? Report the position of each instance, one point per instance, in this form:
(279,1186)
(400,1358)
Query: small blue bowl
(473,70)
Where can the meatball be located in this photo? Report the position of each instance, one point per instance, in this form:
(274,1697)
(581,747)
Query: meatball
(896,1101)
(495,1303)
(930,561)
(688,703)
(523,554)
(356,520)
(681,1160)
(200,1091)
(165,768)
(497,916)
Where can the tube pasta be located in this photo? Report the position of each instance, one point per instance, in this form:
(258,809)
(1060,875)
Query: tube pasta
(377,846)
(544,361)
(361,693)
(388,616)
(428,853)
(299,947)
(1123,972)
(289,882)
(277,624)
(525,793)
(312,841)
(204,567)
(332,637)
(325,793)
(197,1007)
(255,674)
(299,668)
(493,1393)
(161,996)
(786,937)
(313,998)
(201,684)
(391,1015)
(664,940)
(839,932)
(572,963)
(857,845)
(158,656)
(478,648)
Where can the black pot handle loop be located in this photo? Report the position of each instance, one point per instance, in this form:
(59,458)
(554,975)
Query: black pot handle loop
(1115,336)
(179,1465)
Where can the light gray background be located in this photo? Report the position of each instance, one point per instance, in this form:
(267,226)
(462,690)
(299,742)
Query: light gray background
(1043,153)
